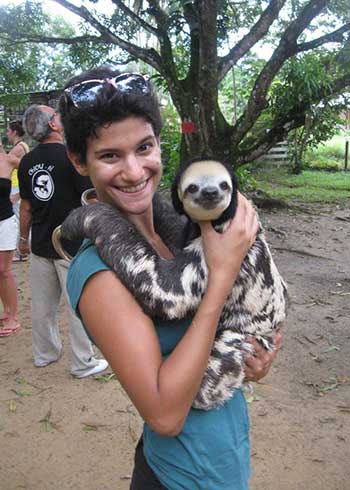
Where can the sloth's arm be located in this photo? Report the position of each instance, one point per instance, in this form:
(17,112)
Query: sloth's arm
(225,370)
(165,288)
(256,308)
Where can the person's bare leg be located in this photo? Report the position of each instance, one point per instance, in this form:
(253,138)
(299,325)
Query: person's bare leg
(3,314)
(8,291)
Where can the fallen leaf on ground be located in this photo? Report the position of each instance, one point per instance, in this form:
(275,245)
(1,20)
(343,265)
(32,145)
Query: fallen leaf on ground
(12,406)
(21,392)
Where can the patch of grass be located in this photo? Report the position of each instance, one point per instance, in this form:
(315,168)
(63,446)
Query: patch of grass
(328,155)
(310,186)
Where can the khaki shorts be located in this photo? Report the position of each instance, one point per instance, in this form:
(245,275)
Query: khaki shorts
(8,234)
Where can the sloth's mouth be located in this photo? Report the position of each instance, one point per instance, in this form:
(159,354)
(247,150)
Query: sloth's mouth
(209,203)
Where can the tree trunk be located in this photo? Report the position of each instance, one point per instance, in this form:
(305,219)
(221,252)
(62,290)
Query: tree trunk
(200,105)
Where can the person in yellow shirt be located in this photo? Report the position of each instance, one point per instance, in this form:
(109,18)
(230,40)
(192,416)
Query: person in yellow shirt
(8,231)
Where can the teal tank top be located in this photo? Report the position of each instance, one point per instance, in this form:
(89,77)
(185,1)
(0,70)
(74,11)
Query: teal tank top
(212,452)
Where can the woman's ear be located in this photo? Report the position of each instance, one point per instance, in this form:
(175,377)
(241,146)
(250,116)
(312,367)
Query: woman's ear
(81,168)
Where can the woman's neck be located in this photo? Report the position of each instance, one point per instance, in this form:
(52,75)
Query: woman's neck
(145,225)
(17,140)
(143,222)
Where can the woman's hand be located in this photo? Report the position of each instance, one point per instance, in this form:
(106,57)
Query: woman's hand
(258,364)
(23,247)
(14,198)
(225,252)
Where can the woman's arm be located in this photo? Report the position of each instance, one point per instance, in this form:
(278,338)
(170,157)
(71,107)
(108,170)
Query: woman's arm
(25,221)
(163,391)
(13,157)
(10,161)
(18,152)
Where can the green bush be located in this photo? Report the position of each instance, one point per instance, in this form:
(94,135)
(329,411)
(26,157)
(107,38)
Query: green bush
(170,144)
(246,181)
(325,163)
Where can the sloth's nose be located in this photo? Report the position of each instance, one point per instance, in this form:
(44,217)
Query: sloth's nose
(210,192)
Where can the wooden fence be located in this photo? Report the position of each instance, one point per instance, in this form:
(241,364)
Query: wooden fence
(277,155)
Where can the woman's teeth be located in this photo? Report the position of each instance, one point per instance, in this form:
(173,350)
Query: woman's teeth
(134,188)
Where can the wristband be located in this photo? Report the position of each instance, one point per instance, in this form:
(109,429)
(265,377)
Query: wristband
(22,239)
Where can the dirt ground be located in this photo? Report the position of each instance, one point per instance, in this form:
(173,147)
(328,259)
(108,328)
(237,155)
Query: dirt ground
(57,432)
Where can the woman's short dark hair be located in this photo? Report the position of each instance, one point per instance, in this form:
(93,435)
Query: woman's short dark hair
(111,105)
(17,126)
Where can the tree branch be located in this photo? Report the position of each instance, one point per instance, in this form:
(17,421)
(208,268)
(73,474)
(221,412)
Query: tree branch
(161,17)
(55,40)
(167,65)
(191,15)
(256,33)
(293,119)
(287,47)
(135,17)
(341,83)
(332,37)
(277,133)
(149,56)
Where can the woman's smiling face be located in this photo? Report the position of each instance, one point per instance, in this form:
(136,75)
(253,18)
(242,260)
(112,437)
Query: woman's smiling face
(124,164)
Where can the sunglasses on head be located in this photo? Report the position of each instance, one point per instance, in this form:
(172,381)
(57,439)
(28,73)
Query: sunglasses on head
(83,94)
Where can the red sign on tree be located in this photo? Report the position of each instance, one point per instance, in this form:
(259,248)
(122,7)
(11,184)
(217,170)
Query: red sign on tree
(188,127)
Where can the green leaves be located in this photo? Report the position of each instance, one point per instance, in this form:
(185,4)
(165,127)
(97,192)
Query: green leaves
(273,92)
(30,66)
(306,77)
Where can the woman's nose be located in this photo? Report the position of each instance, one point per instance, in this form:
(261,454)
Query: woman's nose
(133,169)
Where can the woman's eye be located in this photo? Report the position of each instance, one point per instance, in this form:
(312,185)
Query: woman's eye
(108,156)
(145,147)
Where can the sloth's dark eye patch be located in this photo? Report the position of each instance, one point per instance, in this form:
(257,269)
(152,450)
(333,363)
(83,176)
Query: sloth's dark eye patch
(224,186)
(192,189)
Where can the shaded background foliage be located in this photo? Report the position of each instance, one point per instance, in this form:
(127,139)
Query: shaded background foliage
(247,73)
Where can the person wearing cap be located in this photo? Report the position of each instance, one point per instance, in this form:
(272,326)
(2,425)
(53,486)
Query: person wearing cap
(50,188)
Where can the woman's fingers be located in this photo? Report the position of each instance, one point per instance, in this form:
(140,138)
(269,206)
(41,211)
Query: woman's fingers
(225,252)
(245,219)
(258,364)
(278,342)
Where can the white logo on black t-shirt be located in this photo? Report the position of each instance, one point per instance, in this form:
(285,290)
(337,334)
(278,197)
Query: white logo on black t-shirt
(42,185)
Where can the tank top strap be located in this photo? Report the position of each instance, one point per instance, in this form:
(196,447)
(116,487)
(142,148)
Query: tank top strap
(24,145)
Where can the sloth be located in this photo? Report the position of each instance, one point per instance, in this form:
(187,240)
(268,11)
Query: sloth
(173,289)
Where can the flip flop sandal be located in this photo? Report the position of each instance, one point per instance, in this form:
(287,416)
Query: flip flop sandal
(6,332)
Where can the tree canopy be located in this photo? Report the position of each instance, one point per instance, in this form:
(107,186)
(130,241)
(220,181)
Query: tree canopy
(285,57)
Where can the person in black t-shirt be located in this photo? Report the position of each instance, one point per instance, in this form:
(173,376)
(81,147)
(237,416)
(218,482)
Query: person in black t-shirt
(50,188)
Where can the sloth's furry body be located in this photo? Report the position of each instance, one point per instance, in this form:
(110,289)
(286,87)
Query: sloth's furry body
(173,289)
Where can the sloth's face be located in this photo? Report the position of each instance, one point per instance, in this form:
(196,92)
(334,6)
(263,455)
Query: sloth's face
(205,190)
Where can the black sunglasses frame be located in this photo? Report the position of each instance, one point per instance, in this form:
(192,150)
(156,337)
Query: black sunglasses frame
(125,83)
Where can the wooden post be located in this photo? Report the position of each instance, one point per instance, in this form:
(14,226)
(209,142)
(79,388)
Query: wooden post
(346,155)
